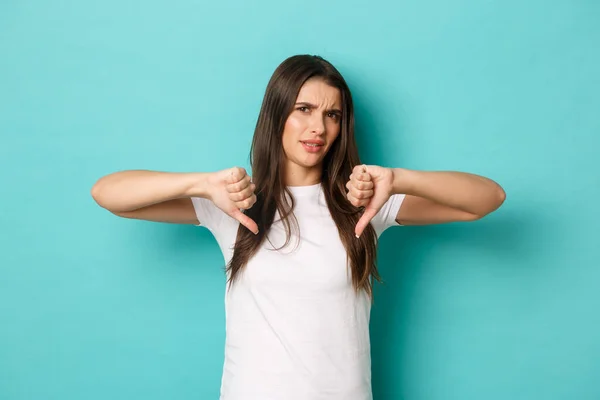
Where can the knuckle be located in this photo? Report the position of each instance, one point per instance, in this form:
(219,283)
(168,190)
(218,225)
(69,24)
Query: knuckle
(237,196)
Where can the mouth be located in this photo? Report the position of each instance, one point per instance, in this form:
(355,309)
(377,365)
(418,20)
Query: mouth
(312,146)
(313,143)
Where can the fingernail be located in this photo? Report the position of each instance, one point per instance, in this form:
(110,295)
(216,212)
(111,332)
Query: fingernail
(256,233)
(356,236)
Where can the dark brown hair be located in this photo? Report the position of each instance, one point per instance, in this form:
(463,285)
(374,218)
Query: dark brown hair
(267,160)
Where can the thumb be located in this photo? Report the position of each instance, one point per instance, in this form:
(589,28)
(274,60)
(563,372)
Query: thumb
(245,220)
(364,220)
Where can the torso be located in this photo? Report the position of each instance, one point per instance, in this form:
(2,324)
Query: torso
(296,329)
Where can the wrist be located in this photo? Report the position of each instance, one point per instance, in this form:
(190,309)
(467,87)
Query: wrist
(403,180)
(197,184)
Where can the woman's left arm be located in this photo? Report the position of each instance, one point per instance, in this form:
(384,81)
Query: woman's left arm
(434,197)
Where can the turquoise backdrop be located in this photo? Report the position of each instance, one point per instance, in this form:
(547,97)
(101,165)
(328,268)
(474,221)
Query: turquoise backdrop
(96,307)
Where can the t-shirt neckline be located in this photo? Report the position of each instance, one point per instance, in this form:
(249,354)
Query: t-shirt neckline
(304,190)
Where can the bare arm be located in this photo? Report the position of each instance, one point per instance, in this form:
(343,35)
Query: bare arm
(444,196)
(166,196)
(151,195)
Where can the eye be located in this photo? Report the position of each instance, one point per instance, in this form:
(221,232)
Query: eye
(335,116)
(303,109)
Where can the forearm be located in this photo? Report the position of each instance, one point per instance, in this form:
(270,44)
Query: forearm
(133,189)
(468,192)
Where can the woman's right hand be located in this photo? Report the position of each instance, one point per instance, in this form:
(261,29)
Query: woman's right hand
(232,190)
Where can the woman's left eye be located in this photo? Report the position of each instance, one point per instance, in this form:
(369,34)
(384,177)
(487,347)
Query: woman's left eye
(334,115)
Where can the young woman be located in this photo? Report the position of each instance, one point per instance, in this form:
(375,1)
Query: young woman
(299,235)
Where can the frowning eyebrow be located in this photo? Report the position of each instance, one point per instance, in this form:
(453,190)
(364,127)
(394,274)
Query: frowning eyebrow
(310,105)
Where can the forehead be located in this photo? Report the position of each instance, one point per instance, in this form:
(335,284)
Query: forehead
(316,91)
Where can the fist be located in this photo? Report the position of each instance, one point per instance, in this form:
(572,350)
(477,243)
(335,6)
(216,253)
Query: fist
(232,190)
(360,187)
(369,187)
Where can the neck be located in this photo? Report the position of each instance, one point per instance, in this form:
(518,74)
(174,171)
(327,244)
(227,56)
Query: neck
(296,175)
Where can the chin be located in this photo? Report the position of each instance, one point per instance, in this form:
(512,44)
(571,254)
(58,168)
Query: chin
(309,163)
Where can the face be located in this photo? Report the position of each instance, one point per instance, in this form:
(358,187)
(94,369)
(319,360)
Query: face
(312,127)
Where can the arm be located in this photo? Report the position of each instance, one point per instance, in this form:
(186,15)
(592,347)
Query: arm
(151,195)
(446,196)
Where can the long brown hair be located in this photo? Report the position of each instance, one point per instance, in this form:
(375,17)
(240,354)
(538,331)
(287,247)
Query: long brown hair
(267,161)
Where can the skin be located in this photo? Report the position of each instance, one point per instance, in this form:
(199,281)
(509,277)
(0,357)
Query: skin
(307,122)
(431,197)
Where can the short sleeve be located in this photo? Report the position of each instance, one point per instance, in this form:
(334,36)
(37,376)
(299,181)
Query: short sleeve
(209,215)
(386,217)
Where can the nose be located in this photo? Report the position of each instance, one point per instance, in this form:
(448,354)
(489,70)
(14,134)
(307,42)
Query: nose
(317,124)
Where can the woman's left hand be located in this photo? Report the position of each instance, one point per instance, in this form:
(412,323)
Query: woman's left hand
(370,186)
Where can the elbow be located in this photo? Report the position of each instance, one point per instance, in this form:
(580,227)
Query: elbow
(498,200)
(500,197)
(107,196)
(96,193)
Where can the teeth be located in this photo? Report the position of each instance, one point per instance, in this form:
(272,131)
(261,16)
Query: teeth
(311,145)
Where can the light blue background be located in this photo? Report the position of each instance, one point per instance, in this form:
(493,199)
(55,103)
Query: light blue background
(96,307)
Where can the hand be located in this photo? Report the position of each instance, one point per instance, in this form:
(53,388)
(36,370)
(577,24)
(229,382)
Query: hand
(232,190)
(370,187)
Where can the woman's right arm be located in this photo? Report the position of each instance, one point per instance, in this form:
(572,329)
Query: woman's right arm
(166,196)
(152,195)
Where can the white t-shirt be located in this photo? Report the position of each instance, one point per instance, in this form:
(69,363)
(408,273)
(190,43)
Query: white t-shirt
(295,328)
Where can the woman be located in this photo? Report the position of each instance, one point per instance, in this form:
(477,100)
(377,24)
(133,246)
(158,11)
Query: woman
(297,317)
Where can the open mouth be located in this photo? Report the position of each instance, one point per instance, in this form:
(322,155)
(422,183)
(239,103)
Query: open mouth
(312,147)
(312,144)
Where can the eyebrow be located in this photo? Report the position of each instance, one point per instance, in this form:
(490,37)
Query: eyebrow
(310,105)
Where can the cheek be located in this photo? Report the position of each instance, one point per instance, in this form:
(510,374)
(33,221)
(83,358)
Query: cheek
(291,134)
(294,125)
(292,130)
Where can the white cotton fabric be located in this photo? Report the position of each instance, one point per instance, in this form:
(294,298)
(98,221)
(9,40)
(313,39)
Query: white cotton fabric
(295,328)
